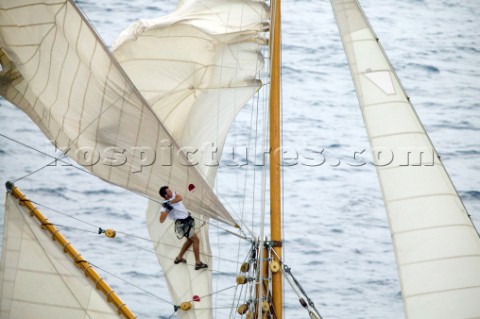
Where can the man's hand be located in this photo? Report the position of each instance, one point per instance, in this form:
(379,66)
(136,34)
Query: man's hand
(167,205)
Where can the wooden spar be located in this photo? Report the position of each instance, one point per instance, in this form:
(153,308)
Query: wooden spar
(72,252)
(275,154)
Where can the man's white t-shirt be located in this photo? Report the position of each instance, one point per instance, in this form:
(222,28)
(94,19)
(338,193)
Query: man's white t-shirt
(179,210)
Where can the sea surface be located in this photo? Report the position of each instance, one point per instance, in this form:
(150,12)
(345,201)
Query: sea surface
(337,241)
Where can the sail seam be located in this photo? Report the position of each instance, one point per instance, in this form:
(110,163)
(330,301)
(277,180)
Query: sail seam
(45,303)
(60,3)
(398,134)
(383,102)
(440,291)
(427,228)
(420,196)
(360,40)
(243,84)
(439,259)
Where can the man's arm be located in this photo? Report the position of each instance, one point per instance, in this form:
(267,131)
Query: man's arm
(177,198)
(163,216)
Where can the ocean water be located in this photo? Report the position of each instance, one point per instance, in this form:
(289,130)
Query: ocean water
(336,233)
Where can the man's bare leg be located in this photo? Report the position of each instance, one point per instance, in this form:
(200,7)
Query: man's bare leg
(185,247)
(196,248)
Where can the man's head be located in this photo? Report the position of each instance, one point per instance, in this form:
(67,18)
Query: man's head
(165,192)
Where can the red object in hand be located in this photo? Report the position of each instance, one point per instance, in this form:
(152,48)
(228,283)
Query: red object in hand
(191,187)
(196,298)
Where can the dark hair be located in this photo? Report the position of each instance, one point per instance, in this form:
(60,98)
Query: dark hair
(163,191)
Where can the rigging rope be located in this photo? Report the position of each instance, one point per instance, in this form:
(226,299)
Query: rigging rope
(287,270)
(118,232)
(46,254)
(31,173)
(55,159)
(69,164)
(129,235)
(61,213)
(218,193)
(124,280)
(132,284)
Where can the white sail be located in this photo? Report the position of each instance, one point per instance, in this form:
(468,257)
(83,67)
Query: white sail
(38,280)
(436,245)
(197,67)
(185,284)
(59,73)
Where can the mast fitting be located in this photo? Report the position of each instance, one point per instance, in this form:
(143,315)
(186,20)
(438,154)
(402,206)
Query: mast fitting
(273,243)
(9,185)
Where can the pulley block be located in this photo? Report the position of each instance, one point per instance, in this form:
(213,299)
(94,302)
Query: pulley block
(186,306)
(242,309)
(110,233)
(274,266)
(265,306)
(241,280)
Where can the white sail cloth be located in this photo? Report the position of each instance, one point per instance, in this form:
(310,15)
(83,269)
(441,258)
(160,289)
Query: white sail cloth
(185,284)
(59,73)
(197,67)
(38,280)
(436,245)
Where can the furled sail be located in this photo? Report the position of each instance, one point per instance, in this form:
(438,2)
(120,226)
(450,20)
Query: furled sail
(57,71)
(197,67)
(38,280)
(436,245)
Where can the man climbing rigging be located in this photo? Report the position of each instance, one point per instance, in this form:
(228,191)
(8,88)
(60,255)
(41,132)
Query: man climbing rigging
(184,224)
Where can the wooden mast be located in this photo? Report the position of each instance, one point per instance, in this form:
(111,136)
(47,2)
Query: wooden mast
(275,155)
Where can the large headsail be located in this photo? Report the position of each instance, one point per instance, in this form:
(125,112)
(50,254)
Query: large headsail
(197,68)
(38,279)
(57,71)
(436,245)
